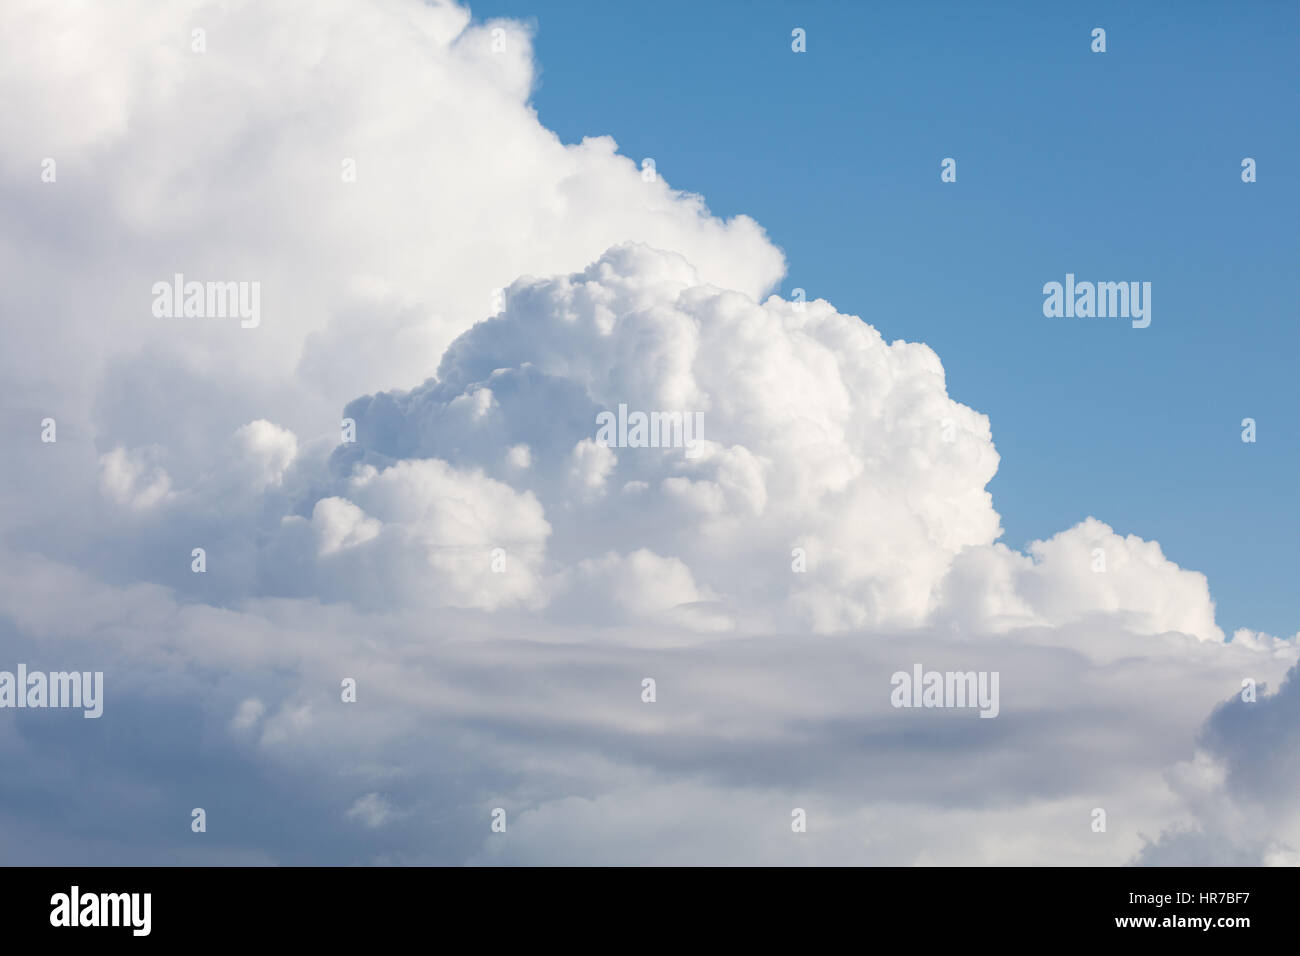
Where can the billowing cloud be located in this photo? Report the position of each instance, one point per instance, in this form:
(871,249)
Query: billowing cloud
(1240,784)
(379,181)
(795,434)
(485,547)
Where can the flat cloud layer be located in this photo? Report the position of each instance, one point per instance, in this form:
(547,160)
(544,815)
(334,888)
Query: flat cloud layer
(497,581)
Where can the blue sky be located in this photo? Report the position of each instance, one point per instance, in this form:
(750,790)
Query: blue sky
(1116,166)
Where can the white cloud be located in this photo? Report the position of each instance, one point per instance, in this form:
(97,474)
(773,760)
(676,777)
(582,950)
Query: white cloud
(424,532)
(266,451)
(822,436)
(592,464)
(248,715)
(371,809)
(130,480)
(228,165)
(498,582)
(340,524)
(519,456)
(1082,573)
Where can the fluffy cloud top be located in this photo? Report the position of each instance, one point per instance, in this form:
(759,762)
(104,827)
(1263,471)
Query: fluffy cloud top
(235,164)
(816,435)
(822,446)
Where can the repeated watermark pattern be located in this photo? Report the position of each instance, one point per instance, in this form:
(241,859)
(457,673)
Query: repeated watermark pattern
(37,690)
(390,517)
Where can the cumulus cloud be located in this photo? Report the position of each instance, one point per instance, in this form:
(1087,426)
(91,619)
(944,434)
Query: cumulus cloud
(824,440)
(498,580)
(824,437)
(265,451)
(1083,573)
(129,479)
(1240,784)
(371,809)
(231,165)
(424,531)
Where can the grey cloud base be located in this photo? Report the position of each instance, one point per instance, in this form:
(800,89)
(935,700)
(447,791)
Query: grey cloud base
(475,711)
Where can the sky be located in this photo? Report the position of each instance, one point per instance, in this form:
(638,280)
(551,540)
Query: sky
(343,534)
(1117,166)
